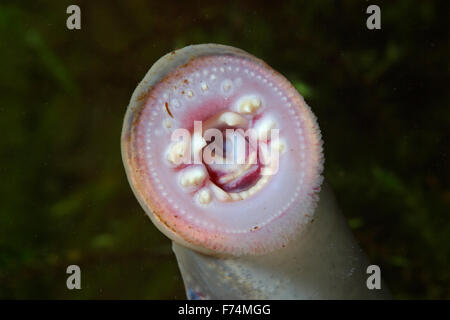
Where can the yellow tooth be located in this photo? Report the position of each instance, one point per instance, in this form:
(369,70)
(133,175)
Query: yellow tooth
(204,196)
(219,193)
(232,119)
(248,104)
(197,143)
(263,128)
(244,194)
(176,152)
(235,196)
(193,177)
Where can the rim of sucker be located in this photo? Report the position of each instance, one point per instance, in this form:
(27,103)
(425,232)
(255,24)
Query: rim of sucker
(163,68)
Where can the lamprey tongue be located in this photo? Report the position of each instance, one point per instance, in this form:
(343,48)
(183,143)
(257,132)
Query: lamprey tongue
(222,152)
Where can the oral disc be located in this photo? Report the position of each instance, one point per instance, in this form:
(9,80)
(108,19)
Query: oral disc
(222,152)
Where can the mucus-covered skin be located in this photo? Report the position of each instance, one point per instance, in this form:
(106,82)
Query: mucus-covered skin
(238,233)
(324,262)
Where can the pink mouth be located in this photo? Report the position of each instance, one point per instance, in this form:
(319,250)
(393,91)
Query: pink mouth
(216,208)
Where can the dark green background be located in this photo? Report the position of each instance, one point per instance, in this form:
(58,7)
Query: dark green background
(381,98)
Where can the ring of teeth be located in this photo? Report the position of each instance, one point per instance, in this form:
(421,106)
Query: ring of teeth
(177,152)
(195,178)
(204,196)
(230,119)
